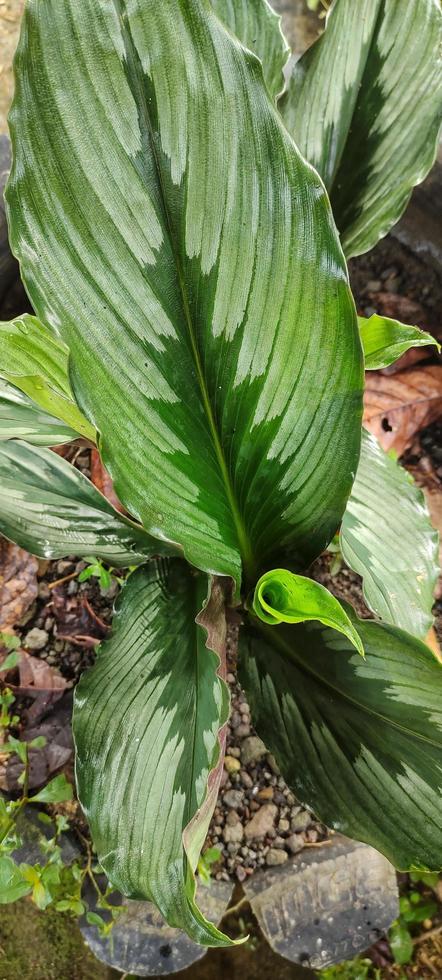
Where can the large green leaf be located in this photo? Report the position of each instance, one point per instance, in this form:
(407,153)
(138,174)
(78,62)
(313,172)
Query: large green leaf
(359,741)
(282,597)
(36,361)
(387,537)
(385,340)
(50,509)
(21,418)
(187,255)
(364,106)
(258,27)
(148,726)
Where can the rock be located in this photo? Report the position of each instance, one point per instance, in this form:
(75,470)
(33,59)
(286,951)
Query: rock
(261,822)
(252,749)
(232,818)
(283,826)
(301,820)
(246,780)
(233,798)
(240,873)
(295,843)
(266,793)
(231,764)
(36,639)
(275,857)
(242,730)
(233,834)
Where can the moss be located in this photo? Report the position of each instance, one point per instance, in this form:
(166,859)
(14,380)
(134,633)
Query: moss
(44,946)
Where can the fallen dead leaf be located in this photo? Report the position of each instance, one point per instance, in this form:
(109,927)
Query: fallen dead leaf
(397,406)
(76,620)
(400,308)
(18,583)
(103,482)
(56,729)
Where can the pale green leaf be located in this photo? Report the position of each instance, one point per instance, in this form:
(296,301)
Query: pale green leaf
(258,27)
(149,730)
(12,884)
(187,255)
(364,105)
(385,340)
(357,740)
(387,537)
(49,508)
(58,790)
(36,362)
(21,418)
(282,597)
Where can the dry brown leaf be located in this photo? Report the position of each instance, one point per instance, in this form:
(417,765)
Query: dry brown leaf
(18,583)
(56,729)
(397,406)
(37,675)
(432,641)
(103,482)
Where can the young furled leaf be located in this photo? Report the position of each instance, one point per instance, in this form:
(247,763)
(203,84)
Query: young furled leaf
(385,340)
(188,257)
(282,597)
(364,106)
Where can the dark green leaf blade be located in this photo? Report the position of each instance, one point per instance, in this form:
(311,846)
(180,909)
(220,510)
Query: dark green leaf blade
(36,362)
(282,597)
(258,27)
(364,105)
(21,418)
(52,510)
(359,741)
(385,340)
(387,538)
(148,727)
(188,256)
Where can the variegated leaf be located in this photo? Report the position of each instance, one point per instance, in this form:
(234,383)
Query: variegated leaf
(258,27)
(149,730)
(387,537)
(364,105)
(21,418)
(358,740)
(188,257)
(52,510)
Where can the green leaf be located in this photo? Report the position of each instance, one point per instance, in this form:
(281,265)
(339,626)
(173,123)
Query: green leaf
(282,597)
(387,538)
(385,340)
(148,727)
(401,943)
(12,884)
(357,740)
(188,256)
(52,510)
(20,418)
(258,27)
(364,106)
(10,662)
(36,362)
(57,791)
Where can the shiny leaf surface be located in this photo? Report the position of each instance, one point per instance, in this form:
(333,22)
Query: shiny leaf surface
(148,726)
(282,597)
(188,257)
(21,418)
(385,340)
(50,509)
(258,27)
(36,361)
(387,537)
(364,105)
(358,740)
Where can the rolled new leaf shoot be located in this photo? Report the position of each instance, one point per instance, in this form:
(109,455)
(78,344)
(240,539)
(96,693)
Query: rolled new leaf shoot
(385,340)
(283,597)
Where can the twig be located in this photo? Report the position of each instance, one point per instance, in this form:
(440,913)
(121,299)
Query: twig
(61,581)
(235,908)
(427,935)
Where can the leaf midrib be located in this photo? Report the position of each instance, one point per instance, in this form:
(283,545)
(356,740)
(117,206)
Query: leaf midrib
(133,61)
(273,638)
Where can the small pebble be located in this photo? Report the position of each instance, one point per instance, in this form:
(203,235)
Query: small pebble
(233,834)
(275,857)
(301,820)
(252,749)
(36,639)
(233,798)
(262,821)
(295,843)
(231,764)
